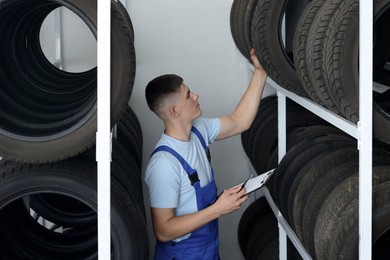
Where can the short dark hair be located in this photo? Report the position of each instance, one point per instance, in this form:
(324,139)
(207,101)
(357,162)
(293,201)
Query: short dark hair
(161,87)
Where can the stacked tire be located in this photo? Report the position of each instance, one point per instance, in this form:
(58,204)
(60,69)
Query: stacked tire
(258,233)
(318,57)
(260,142)
(315,184)
(48,184)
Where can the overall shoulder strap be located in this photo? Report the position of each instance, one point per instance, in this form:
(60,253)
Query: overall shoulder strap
(192,174)
(199,135)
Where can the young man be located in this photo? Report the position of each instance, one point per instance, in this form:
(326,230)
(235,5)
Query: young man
(183,195)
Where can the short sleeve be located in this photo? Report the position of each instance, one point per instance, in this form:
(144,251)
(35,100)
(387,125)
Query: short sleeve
(163,180)
(209,128)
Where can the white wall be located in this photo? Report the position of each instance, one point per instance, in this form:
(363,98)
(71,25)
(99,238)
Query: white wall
(77,44)
(191,38)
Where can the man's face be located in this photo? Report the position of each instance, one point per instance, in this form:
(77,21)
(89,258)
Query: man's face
(187,104)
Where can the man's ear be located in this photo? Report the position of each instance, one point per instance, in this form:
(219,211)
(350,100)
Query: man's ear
(173,111)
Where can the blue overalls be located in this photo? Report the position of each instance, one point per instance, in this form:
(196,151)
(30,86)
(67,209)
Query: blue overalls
(203,243)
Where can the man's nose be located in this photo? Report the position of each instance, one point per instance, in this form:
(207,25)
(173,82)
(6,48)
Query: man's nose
(195,96)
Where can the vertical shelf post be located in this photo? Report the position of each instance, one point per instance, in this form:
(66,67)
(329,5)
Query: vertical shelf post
(282,139)
(365,128)
(282,135)
(58,38)
(103,135)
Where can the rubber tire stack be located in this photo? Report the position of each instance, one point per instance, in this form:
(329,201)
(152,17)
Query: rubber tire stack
(315,184)
(48,189)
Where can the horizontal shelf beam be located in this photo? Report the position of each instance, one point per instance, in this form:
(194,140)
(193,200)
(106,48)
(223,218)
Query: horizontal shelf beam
(334,119)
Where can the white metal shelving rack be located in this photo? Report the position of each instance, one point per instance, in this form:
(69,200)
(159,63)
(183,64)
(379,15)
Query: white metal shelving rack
(362,131)
(103,135)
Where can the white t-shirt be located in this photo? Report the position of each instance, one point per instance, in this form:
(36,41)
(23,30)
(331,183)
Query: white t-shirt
(168,182)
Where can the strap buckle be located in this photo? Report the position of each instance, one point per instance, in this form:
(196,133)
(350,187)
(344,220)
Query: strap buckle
(193,178)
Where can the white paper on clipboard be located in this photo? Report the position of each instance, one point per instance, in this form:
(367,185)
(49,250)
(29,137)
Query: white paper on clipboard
(257,182)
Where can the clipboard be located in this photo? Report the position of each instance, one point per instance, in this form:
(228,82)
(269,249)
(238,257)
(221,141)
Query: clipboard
(257,182)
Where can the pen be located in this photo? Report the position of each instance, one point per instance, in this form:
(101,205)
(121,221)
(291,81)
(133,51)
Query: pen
(243,185)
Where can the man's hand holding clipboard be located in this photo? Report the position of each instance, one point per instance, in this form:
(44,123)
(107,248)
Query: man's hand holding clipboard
(255,183)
